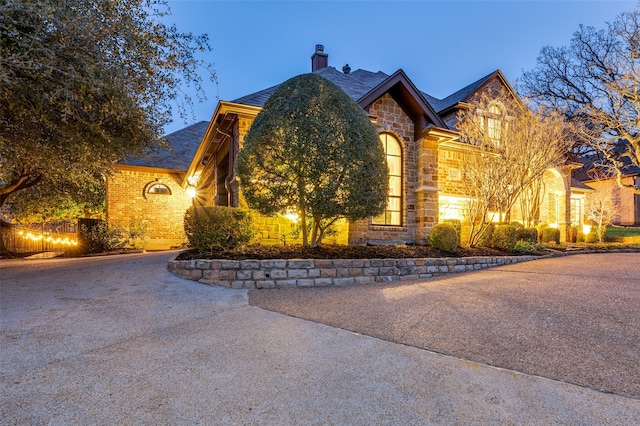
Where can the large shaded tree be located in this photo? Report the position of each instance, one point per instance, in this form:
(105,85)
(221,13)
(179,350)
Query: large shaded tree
(83,85)
(314,151)
(595,81)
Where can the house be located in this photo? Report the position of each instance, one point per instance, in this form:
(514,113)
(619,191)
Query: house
(151,189)
(626,199)
(423,150)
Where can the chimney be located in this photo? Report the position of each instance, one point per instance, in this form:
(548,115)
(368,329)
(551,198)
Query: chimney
(319,59)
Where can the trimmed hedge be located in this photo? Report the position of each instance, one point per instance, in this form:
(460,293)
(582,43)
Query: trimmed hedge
(551,234)
(444,237)
(504,237)
(486,239)
(217,228)
(527,234)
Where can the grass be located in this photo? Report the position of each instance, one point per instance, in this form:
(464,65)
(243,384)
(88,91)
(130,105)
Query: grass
(614,231)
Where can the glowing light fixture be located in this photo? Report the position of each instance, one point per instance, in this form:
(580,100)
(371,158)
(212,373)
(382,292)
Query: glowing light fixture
(191,191)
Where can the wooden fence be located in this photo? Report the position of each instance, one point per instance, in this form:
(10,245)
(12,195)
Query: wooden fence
(38,238)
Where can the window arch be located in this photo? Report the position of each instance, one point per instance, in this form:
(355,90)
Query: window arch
(157,188)
(393,212)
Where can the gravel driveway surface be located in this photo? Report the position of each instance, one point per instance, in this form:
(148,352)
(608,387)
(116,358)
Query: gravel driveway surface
(574,319)
(120,340)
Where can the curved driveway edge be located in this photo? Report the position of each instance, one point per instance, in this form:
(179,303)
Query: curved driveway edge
(120,340)
(575,318)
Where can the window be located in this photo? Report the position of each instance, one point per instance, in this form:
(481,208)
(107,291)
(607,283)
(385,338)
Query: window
(393,212)
(159,189)
(494,124)
(576,211)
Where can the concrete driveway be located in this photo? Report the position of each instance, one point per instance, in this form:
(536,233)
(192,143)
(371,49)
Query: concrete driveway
(119,340)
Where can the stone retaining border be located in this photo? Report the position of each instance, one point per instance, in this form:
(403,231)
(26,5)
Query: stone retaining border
(291,273)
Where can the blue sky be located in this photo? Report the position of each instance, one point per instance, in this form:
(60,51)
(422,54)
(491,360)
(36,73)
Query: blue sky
(441,45)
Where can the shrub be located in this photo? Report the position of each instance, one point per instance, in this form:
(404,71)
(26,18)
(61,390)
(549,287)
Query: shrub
(591,237)
(444,237)
(550,234)
(581,237)
(517,225)
(527,235)
(217,228)
(486,237)
(101,238)
(456,224)
(523,246)
(138,233)
(541,227)
(504,237)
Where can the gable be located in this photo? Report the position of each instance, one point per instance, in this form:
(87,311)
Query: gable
(408,97)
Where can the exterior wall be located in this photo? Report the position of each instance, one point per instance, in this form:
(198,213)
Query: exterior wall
(390,118)
(625,199)
(162,214)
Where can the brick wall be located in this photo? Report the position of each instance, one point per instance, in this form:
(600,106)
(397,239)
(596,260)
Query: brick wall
(163,214)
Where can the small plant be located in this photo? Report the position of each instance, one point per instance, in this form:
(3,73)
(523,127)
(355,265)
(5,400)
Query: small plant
(444,237)
(551,234)
(504,237)
(138,233)
(523,246)
(217,228)
(102,239)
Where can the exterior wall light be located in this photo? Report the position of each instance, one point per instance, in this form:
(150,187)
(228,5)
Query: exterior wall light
(191,191)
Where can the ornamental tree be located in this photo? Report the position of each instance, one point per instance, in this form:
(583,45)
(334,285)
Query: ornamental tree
(511,146)
(84,85)
(596,81)
(314,151)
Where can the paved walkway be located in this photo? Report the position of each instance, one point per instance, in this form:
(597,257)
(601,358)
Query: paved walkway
(119,340)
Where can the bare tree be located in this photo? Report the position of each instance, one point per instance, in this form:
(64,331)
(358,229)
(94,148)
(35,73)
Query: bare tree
(601,207)
(595,81)
(511,148)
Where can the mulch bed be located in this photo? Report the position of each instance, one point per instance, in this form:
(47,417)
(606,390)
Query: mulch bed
(338,252)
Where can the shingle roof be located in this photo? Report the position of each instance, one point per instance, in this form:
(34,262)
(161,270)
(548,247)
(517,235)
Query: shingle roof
(355,85)
(460,95)
(180,149)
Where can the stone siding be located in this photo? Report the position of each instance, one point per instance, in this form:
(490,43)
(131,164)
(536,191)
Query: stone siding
(391,118)
(282,273)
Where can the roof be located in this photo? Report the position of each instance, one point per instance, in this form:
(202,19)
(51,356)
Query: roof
(594,161)
(576,184)
(355,85)
(177,153)
(460,95)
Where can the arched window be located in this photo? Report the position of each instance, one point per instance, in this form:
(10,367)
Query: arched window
(494,123)
(393,212)
(158,189)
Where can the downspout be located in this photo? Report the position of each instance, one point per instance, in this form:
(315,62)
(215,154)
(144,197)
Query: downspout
(231,178)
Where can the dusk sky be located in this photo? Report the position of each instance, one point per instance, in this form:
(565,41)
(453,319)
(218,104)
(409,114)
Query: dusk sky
(441,45)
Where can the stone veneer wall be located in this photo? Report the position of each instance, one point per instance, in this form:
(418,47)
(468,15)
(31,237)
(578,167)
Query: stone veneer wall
(281,273)
(391,118)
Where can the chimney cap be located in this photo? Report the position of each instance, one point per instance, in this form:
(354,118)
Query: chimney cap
(319,48)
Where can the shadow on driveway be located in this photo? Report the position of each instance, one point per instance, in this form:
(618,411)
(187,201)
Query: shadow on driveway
(575,319)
